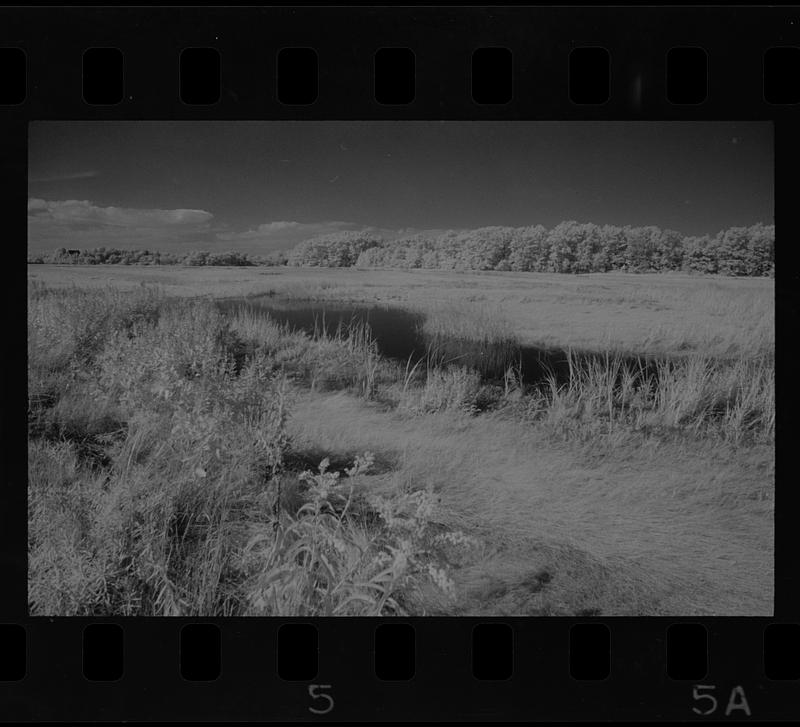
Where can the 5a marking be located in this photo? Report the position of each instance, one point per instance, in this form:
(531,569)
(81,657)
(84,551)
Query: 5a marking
(736,701)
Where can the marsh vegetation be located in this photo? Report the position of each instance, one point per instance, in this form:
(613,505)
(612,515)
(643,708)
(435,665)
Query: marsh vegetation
(312,451)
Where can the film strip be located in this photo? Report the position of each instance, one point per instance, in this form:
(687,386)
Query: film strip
(737,63)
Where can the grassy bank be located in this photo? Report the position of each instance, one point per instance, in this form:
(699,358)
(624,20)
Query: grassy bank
(186,462)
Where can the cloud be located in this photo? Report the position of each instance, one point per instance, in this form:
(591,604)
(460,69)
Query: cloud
(283,234)
(268,229)
(63,177)
(37,205)
(427,231)
(276,226)
(82,211)
(81,223)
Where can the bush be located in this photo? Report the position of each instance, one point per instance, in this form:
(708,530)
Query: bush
(147,530)
(186,519)
(328,560)
(178,510)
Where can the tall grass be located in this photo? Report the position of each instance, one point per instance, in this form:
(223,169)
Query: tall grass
(733,400)
(67,328)
(475,335)
(355,338)
(176,507)
(162,480)
(346,357)
(454,388)
(257,330)
(73,322)
(479,322)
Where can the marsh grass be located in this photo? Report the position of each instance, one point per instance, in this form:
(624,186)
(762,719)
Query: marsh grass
(178,510)
(477,322)
(163,479)
(357,340)
(72,322)
(452,388)
(733,400)
(475,335)
(324,358)
(658,314)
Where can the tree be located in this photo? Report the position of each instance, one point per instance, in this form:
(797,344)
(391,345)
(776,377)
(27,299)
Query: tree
(563,243)
(746,250)
(669,251)
(528,249)
(700,255)
(587,244)
(642,244)
(761,249)
(340,249)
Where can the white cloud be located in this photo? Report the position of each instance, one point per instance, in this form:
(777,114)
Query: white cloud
(276,226)
(83,224)
(266,230)
(426,231)
(63,177)
(36,205)
(83,211)
(80,223)
(282,234)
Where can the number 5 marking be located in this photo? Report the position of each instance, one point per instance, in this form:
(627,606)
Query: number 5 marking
(315,691)
(697,697)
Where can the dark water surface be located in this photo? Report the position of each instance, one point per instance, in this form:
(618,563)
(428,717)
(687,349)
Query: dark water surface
(399,335)
(395,330)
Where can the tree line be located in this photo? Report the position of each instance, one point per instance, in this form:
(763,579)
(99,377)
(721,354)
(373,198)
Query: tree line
(569,247)
(115,256)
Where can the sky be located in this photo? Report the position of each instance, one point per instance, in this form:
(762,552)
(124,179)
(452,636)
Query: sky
(262,186)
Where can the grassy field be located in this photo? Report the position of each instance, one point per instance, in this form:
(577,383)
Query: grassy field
(658,314)
(186,462)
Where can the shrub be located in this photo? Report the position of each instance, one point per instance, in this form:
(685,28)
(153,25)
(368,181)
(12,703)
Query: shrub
(152,530)
(182,514)
(77,322)
(342,555)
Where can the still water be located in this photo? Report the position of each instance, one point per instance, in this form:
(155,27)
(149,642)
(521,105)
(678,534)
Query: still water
(400,336)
